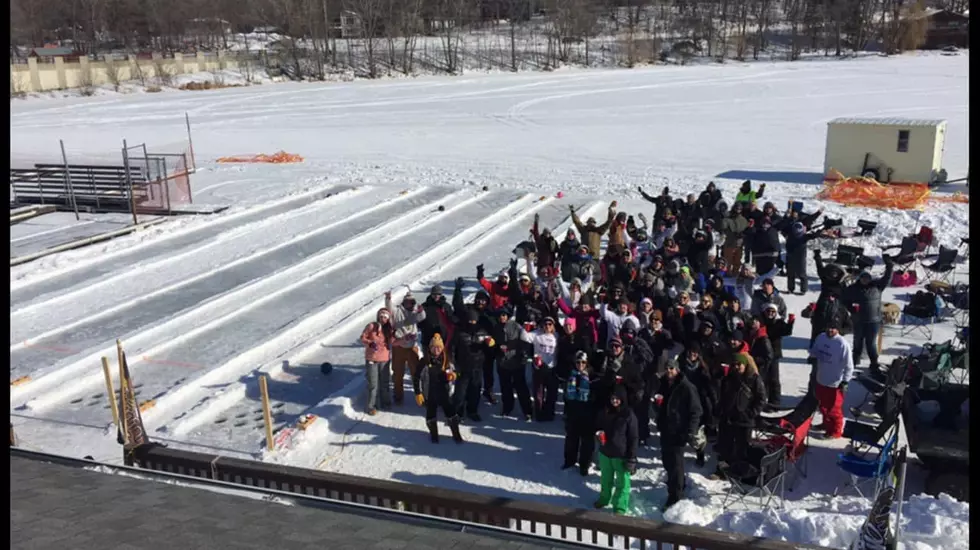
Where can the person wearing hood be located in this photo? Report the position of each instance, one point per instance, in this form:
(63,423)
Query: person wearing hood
(580,415)
(695,369)
(777,329)
(747,195)
(733,318)
(432,389)
(699,250)
(645,313)
(618,441)
(569,247)
(864,298)
(707,311)
(577,264)
(573,292)
(763,241)
(376,338)
(642,357)
(481,304)
(709,197)
(678,413)
(522,296)
(833,368)
(615,314)
(405,318)
(546,245)
(741,400)
(658,337)
(592,233)
(796,248)
(544,342)
(570,342)
(716,289)
(760,348)
(617,370)
(511,364)
(471,346)
(586,318)
(661,202)
(436,308)
(648,286)
(733,229)
(499,290)
(829,307)
(767,294)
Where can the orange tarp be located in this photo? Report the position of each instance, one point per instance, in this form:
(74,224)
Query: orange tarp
(860,191)
(281,157)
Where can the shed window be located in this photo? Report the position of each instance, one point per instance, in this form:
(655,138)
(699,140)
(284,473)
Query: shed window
(903,141)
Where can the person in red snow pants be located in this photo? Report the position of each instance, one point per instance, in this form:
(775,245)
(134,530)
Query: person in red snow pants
(831,405)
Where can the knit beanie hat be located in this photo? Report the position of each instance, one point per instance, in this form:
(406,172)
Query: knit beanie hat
(435,344)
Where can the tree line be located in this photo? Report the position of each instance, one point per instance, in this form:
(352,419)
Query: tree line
(377,37)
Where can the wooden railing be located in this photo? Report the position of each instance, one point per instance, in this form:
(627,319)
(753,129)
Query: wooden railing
(567,524)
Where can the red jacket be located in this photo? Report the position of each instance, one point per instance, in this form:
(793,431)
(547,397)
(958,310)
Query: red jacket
(498,293)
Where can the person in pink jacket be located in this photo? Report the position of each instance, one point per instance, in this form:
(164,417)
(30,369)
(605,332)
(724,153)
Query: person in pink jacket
(377,358)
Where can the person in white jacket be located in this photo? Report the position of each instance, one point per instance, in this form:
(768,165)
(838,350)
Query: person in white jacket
(544,383)
(572,292)
(833,369)
(405,318)
(615,317)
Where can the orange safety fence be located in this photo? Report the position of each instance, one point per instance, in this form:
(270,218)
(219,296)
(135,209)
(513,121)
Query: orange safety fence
(861,191)
(281,157)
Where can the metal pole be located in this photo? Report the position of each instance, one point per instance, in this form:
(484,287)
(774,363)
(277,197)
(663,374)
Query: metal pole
(187,178)
(190,142)
(71,190)
(902,465)
(129,180)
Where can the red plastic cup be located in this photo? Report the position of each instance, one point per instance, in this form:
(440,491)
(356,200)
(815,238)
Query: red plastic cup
(601,436)
(529,326)
(680,311)
(538,361)
(792,317)
(658,399)
(619,379)
(857,308)
(725,367)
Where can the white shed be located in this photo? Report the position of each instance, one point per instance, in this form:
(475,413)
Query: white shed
(890,150)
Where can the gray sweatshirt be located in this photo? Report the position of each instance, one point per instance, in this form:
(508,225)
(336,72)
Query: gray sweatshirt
(835,364)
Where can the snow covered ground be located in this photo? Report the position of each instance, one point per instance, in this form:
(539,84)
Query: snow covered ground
(286,279)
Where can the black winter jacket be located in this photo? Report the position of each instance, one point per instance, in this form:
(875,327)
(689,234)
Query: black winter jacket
(509,348)
(622,432)
(761,350)
(470,347)
(868,297)
(778,329)
(628,376)
(679,416)
(431,324)
(568,346)
(742,399)
(698,374)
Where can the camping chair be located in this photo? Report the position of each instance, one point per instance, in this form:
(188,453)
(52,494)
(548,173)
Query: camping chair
(792,432)
(965,241)
(765,480)
(865,435)
(944,268)
(848,256)
(864,471)
(905,258)
(925,239)
(920,314)
(867,227)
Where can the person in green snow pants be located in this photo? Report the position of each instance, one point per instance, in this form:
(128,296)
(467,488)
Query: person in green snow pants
(618,438)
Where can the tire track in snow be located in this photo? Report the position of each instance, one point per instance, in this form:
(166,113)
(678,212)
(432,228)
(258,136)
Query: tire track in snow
(78,275)
(236,379)
(144,312)
(238,320)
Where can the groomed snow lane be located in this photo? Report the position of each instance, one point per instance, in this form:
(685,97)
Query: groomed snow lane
(82,275)
(297,386)
(256,322)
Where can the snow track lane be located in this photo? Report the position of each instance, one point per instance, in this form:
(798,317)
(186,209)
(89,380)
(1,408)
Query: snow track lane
(295,387)
(40,288)
(51,386)
(340,312)
(263,318)
(159,291)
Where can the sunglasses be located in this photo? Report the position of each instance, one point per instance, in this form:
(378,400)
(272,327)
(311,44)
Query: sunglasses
(615,345)
(549,324)
(581,362)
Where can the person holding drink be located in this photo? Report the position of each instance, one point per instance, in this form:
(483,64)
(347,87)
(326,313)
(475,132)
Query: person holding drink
(742,398)
(677,409)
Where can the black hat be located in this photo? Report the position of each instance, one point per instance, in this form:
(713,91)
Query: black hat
(672,364)
(769,281)
(436,291)
(694,346)
(472,315)
(505,310)
(737,336)
(620,393)
(834,323)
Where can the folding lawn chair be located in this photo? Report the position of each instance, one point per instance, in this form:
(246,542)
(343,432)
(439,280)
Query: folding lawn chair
(865,435)
(920,314)
(905,258)
(747,480)
(925,239)
(792,432)
(867,227)
(966,241)
(848,257)
(865,471)
(944,268)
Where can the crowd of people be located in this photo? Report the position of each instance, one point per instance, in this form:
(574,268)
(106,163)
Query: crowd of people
(676,326)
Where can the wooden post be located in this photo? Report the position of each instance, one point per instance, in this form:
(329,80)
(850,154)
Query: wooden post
(13,440)
(264,386)
(881,337)
(122,391)
(108,388)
